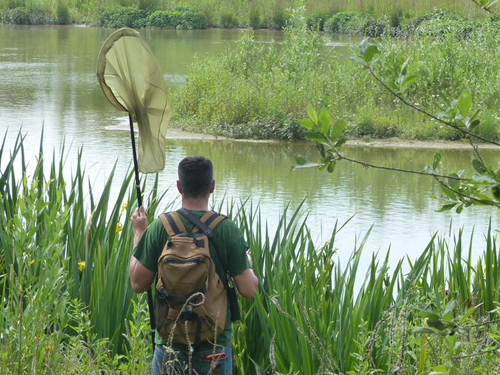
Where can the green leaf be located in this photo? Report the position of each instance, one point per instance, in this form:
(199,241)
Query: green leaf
(409,80)
(338,129)
(436,323)
(340,142)
(370,52)
(459,209)
(311,112)
(454,183)
(450,194)
(404,67)
(474,124)
(321,149)
(447,207)
(331,166)
(315,136)
(300,160)
(450,306)
(304,164)
(479,166)
(464,103)
(436,161)
(306,123)
(357,60)
(422,330)
(324,121)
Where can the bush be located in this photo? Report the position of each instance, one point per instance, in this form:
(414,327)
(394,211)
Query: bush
(181,18)
(375,27)
(345,23)
(255,18)
(62,13)
(191,18)
(439,23)
(228,20)
(164,19)
(18,16)
(279,19)
(117,17)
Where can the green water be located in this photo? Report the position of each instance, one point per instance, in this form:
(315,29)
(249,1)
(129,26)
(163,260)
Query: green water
(47,78)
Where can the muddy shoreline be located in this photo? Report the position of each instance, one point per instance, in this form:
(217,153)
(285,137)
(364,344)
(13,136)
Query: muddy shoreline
(394,143)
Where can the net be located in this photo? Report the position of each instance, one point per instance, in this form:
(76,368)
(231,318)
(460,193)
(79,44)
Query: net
(132,81)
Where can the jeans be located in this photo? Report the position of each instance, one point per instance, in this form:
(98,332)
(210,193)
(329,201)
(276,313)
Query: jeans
(177,363)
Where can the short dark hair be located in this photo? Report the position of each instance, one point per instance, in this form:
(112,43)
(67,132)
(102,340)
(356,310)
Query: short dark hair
(196,174)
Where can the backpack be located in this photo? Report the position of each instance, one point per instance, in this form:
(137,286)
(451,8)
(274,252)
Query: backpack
(191,299)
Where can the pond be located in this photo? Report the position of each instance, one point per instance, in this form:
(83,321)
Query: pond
(48,80)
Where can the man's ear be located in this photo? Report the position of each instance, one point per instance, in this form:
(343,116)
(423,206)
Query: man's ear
(179,187)
(212,187)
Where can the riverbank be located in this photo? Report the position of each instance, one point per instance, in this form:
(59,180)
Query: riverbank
(391,143)
(258,92)
(360,18)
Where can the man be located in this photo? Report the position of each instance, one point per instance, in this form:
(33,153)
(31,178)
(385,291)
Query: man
(195,185)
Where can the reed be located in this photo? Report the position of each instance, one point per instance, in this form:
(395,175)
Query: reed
(313,312)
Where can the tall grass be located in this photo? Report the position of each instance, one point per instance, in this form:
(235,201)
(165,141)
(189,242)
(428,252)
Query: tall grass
(258,92)
(255,13)
(313,312)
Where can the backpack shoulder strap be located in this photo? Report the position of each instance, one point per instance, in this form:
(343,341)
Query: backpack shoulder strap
(211,219)
(172,223)
(207,223)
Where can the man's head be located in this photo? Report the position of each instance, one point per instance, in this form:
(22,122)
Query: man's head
(196,177)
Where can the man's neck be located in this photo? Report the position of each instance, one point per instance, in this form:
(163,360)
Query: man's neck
(195,204)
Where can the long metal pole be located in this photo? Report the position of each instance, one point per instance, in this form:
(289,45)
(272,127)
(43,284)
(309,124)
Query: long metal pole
(139,204)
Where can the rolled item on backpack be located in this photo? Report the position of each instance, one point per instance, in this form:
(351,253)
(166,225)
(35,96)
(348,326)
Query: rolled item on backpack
(132,81)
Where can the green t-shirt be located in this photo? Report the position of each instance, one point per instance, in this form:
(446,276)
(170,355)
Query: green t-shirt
(231,252)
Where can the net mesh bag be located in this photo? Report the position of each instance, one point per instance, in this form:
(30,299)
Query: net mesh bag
(132,81)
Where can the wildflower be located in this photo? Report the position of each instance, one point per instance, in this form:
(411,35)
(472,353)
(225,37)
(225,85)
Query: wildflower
(32,261)
(119,227)
(81,265)
(124,208)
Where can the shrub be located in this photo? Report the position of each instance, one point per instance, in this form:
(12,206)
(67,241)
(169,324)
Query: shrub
(255,18)
(19,16)
(123,17)
(191,18)
(375,27)
(62,13)
(228,20)
(345,23)
(164,19)
(180,18)
(279,19)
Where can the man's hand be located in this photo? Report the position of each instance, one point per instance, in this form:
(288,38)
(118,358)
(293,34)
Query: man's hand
(139,221)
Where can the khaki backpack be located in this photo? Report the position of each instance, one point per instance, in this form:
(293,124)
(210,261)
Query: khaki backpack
(191,300)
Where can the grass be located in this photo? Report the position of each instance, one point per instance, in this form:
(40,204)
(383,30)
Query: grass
(312,313)
(234,13)
(258,92)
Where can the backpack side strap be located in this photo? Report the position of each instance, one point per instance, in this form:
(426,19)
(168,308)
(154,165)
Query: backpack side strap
(172,223)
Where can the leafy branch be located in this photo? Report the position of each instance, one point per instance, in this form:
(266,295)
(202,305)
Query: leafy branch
(483,188)
(486,5)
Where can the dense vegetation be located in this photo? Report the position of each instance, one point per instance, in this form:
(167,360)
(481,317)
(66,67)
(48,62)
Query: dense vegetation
(68,305)
(257,91)
(368,14)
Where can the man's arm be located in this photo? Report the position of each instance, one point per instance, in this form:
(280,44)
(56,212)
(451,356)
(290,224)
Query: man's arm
(247,282)
(140,277)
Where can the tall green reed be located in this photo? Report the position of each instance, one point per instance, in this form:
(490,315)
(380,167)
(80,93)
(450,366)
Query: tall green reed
(313,312)
(93,235)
